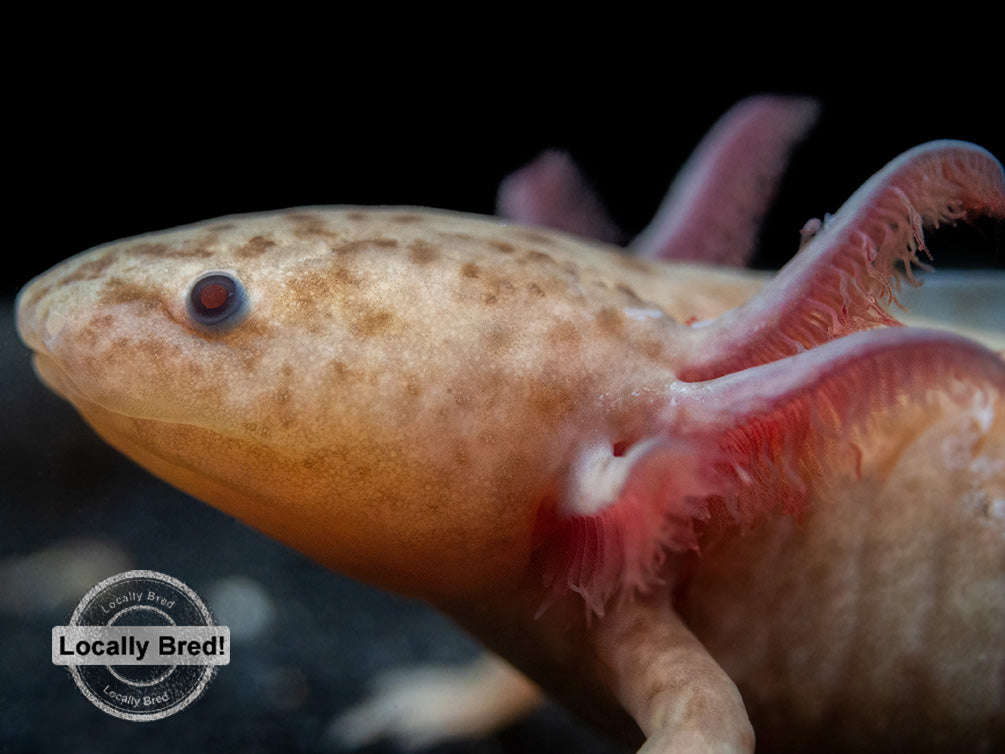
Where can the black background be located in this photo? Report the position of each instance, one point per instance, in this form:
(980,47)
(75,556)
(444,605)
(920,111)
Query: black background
(130,133)
(123,125)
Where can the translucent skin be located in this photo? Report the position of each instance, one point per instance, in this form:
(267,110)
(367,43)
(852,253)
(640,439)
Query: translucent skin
(604,466)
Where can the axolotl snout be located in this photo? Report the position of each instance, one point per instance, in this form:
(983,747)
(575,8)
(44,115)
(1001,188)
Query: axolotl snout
(676,497)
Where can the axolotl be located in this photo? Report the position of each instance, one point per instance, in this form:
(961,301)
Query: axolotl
(690,502)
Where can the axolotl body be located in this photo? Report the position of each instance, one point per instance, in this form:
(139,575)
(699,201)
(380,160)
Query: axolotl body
(678,498)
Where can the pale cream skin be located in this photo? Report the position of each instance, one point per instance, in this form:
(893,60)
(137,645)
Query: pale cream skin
(427,401)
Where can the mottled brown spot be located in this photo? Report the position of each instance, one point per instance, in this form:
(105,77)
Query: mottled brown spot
(310,291)
(484,283)
(552,400)
(338,371)
(537,257)
(255,247)
(306,291)
(497,339)
(367,323)
(535,290)
(247,339)
(497,289)
(503,247)
(344,276)
(119,291)
(309,225)
(95,329)
(422,252)
(357,216)
(563,333)
(251,327)
(654,349)
(365,244)
(611,321)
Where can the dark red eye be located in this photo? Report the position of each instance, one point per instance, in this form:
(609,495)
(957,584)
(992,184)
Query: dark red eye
(216,298)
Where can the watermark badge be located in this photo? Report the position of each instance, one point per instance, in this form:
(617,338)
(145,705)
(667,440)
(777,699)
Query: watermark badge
(141,646)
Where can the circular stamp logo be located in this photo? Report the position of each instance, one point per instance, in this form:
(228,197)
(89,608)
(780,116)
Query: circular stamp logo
(141,646)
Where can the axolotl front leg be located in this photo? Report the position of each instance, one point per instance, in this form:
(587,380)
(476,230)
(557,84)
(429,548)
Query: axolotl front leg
(658,670)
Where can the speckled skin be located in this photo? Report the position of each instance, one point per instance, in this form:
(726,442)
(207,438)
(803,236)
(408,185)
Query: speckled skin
(537,435)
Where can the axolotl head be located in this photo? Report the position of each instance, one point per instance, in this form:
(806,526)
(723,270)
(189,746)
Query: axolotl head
(447,405)
(393,393)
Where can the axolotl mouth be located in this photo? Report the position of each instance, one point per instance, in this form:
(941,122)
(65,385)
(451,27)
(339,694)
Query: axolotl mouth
(111,419)
(37,327)
(49,371)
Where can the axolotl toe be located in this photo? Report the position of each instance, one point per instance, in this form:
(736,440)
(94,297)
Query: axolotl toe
(691,503)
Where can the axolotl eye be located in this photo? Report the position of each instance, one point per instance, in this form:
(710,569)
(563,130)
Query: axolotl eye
(217,300)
